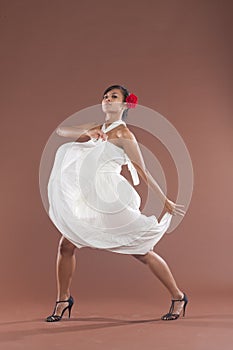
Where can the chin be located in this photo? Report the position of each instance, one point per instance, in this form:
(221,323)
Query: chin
(106,109)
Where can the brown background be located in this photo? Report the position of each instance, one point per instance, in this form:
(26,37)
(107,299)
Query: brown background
(57,57)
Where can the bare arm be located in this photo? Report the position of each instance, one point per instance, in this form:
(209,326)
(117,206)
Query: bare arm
(131,148)
(79,131)
(130,145)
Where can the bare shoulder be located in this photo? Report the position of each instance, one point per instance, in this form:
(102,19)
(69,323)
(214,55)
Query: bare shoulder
(130,145)
(125,134)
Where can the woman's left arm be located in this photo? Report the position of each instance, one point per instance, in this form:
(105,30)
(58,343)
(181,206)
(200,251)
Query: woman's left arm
(130,145)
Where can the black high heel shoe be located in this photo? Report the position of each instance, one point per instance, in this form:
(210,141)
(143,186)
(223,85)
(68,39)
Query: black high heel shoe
(170,315)
(54,317)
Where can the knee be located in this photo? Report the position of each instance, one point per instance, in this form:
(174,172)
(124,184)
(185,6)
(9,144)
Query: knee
(145,258)
(140,257)
(66,247)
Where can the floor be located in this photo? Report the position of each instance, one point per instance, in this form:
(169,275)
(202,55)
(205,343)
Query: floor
(119,325)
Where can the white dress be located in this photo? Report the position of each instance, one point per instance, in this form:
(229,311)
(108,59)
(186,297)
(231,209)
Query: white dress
(93,205)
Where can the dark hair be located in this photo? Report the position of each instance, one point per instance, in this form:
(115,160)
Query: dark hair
(125,93)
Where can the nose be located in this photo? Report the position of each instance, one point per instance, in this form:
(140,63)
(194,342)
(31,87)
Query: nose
(107,99)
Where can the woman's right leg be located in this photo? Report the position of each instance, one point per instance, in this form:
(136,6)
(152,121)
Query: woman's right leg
(66,262)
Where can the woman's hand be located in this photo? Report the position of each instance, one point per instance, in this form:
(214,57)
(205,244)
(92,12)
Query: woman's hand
(173,208)
(96,133)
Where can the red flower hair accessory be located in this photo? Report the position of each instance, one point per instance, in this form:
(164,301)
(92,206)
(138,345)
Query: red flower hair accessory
(131,101)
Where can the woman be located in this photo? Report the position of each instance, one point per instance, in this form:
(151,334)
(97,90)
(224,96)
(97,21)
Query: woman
(93,205)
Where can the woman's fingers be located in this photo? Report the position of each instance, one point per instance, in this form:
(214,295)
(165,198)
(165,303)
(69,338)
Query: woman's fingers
(182,214)
(179,212)
(99,134)
(102,134)
(175,213)
(174,210)
(178,209)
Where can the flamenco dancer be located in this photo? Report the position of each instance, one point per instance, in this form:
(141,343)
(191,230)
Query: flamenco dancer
(93,205)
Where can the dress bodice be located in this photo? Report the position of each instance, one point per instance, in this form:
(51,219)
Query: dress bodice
(97,155)
(114,156)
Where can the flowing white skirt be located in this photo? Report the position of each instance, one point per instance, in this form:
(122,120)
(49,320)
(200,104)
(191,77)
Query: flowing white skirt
(93,205)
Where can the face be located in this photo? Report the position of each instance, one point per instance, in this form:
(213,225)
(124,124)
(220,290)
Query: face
(113,101)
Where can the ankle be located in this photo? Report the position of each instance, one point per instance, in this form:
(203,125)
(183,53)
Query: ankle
(63,297)
(178,296)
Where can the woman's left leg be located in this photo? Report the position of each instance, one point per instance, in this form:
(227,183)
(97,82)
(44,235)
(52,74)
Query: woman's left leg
(161,270)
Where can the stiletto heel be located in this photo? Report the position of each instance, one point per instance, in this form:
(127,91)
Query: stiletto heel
(54,317)
(170,315)
(185,304)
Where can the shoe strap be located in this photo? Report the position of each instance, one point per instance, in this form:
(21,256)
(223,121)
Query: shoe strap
(179,299)
(54,317)
(62,301)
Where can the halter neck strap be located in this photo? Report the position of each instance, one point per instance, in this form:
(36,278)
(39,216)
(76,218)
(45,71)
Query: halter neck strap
(112,125)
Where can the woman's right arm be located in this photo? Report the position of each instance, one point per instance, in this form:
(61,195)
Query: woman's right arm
(74,131)
(82,132)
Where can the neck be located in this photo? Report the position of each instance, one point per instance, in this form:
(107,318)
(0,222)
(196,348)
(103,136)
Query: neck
(112,117)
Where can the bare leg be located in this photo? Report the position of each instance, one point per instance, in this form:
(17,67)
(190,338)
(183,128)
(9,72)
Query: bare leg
(161,270)
(66,262)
